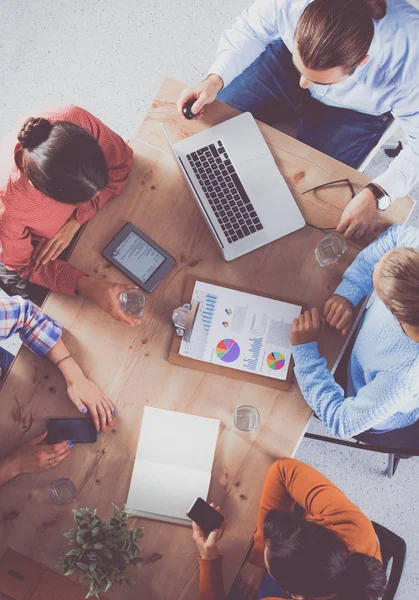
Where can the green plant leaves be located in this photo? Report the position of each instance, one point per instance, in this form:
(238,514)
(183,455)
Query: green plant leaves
(98,546)
(102,552)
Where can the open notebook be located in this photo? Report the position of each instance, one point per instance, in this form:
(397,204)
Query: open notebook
(173,464)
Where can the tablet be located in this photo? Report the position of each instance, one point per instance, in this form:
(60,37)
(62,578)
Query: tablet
(139,257)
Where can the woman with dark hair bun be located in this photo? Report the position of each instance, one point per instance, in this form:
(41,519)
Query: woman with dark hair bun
(62,160)
(326,549)
(344,69)
(67,166)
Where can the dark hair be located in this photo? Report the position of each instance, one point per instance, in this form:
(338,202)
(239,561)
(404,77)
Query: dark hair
(399,284)
(337,33)
(61,159)
(311,560)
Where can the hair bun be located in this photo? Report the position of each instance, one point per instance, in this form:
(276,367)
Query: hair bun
(34,132)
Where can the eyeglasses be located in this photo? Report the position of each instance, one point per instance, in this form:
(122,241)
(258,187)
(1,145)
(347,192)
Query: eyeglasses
(347,182)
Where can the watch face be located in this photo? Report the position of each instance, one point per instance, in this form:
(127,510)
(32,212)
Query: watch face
(383,202)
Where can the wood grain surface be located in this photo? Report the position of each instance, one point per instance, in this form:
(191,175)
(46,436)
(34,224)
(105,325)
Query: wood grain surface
(130,364)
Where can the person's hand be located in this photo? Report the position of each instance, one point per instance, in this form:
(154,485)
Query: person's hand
(203,93)
(306,327)
(51,249)
(360,215)
(106,295)
(207,545)
(87,396)
(33,457)
(338,313)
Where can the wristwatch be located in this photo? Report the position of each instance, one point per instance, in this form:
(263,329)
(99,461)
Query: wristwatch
(383,200)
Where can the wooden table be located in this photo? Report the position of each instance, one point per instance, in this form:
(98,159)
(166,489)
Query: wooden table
(130,364)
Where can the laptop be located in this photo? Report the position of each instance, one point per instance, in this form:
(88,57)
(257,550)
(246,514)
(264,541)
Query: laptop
(234,179)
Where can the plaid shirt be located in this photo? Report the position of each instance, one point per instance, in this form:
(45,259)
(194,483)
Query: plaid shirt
(38,332)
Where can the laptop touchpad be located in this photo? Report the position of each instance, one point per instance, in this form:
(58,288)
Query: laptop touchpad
(260,175)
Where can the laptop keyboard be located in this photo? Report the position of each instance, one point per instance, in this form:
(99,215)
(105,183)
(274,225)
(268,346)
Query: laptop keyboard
(225,192)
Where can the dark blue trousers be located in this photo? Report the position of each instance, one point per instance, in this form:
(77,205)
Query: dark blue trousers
(6,359)
(270,90)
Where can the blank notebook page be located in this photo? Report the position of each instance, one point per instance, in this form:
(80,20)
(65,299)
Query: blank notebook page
(173,463)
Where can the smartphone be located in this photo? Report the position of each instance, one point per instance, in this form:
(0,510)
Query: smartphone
(205,516)
(76,430)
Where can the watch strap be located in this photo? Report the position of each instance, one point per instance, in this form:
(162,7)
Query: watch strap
(378,192)
(382,198)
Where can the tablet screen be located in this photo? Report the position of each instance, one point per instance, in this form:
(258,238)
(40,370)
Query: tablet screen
(136,255)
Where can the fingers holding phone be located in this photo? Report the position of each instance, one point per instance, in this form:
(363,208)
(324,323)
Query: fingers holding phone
(208,526)
(207,545)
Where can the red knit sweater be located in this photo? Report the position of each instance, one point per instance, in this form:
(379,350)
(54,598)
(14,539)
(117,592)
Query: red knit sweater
(27,215)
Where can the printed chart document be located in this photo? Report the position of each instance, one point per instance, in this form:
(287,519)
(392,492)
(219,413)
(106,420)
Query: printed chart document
(241,331)
(173,464)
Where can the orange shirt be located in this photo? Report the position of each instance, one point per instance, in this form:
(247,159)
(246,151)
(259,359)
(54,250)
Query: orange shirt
(291,482)
(27,215)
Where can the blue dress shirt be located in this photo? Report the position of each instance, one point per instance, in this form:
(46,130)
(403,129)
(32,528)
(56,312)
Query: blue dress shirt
(388,82)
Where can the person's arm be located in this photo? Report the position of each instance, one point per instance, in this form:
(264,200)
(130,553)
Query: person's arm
(274,496)
(58,275)
(17,255)
(38,332)
(239,47)
(85,394)
(403,172)
(344,416)
(119,158)
(291,482)
(253,30)
(401,175)
(33,457)
(50,249)
(42,335)
(357,279)
(211,585)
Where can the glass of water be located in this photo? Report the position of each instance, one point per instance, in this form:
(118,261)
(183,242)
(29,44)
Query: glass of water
(132,302)
(330,249)
(246,418)
(62,491)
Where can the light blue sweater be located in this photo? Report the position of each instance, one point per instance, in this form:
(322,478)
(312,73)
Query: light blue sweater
(383,372)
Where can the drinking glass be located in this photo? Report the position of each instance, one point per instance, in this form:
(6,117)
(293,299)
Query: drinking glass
(62,491)
(132,302)
(246,418)
(330,249)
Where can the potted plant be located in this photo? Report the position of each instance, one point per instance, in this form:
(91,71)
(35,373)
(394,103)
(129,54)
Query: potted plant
(102,552)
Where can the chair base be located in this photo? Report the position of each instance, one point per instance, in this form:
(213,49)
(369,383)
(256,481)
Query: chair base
(394,457)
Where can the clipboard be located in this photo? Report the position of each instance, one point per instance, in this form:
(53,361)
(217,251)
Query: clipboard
(185,321)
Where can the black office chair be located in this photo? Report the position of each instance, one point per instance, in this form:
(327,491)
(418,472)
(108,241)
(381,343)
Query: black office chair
(398,444)
(393,550)
(393,443)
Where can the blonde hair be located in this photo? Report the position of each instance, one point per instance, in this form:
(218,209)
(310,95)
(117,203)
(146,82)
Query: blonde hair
(399,284)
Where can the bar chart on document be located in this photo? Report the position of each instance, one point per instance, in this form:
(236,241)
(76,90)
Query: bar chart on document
(241,331)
